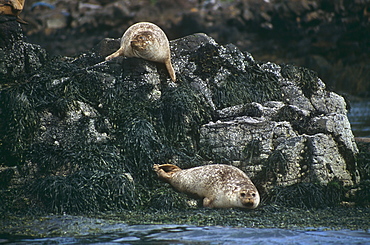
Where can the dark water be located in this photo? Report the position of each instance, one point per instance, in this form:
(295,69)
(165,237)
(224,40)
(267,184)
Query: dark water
(182,234)
(80,230)
(359,117)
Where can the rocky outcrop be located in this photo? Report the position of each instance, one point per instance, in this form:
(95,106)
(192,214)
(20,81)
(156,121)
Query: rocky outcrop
(300,138)
(329,37)
(83,135)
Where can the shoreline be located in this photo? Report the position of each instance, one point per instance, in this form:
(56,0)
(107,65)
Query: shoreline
(266,217)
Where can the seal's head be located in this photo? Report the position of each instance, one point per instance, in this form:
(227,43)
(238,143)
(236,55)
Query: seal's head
(144,45)
(249,198)
(245,197)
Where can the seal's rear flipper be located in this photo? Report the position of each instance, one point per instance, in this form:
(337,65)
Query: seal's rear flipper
(165,171)
(169,168)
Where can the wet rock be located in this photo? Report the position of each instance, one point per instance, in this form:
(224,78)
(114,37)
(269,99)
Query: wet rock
(327,163)
(79,125)
(18,58)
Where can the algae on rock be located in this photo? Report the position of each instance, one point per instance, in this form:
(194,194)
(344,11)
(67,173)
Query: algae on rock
(84,137)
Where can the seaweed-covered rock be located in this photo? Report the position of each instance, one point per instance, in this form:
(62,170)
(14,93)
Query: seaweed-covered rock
(304,137)
(84,134)
(17,58)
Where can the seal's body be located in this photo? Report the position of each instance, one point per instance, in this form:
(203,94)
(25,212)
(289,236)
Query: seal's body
(219,185)
(148,41)
(12,7)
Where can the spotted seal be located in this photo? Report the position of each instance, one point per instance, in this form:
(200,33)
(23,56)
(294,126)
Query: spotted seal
(219,185)
(146,40)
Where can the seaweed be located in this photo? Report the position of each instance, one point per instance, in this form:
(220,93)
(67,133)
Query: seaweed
(252,150)
(307,195)
(19,123)
(164,198)
(182,112)
(231,85)
(305,78)
(84,192)
(141,147)
(363,160)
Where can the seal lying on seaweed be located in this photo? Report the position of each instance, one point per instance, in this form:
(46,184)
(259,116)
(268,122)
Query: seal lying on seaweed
(219,185)
(147,41)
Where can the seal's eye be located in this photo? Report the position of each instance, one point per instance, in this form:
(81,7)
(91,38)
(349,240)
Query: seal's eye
(253,194)
(242,194)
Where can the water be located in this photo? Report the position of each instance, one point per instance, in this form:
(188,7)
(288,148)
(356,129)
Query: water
(182,234)
(359,117)
(82,230)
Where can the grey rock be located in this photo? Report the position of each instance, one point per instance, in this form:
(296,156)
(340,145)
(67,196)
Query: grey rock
(336,125)
(293,95)
(245,139)
(327,163)
(329,102)
(80,116)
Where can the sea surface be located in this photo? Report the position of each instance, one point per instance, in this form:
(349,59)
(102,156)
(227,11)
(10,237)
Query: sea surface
(98,231)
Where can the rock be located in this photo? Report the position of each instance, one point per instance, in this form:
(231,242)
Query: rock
(17,58)
(327,163)
(82,125)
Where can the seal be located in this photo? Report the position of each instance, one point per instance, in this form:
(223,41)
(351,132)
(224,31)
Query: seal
(12,7)
(219,185)
(147,41)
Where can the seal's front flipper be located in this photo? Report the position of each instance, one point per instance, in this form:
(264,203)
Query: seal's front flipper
(119,52)
(170,69)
